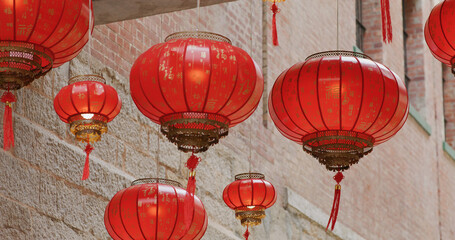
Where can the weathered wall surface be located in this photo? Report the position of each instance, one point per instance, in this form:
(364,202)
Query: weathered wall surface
(403,190)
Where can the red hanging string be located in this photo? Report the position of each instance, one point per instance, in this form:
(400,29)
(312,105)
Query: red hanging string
(336,201)
(275,10)
(86,172)
(247,233)
(387,33)
(8,135)
(191,164)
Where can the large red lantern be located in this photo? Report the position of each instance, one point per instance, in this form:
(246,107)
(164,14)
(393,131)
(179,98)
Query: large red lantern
(87,104)
(196,85)
(249,195)
(35,37)
(338,105)
(440,32)
(154,209)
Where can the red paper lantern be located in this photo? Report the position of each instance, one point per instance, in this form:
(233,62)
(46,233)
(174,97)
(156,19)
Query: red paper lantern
(154,209)
(249,195)
(196,85)
(87,104)
(440,32)
(35,37)
(338,105)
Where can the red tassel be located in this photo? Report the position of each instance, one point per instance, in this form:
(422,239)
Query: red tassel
(387,33)
(336,201)
(275,10)
(247,233)
(8,134)
(191,164)
(86,172)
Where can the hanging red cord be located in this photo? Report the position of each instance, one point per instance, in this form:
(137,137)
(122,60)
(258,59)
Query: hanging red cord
(387,33)
(191,164)
(8,134)
(247,233)
(336,201)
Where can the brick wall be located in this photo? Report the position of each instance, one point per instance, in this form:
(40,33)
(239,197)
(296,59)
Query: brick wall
(403,190)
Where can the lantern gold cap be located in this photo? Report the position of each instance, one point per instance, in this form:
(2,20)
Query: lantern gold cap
(243,176)
(90,77)
(156,180)
(198,34)
(335,53)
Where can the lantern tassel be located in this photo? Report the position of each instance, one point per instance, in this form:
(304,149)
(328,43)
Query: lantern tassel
(275,10)
(247,233)
(336,201)
(86,172)
(8,134)
(387,33)
(191,164)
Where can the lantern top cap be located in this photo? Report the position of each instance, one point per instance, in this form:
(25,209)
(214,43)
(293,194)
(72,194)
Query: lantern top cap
(198,34)
(156,180)
(83,78)
(244,176)
(338,53)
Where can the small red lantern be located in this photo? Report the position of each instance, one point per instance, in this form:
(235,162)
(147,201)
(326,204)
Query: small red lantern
(249,195)
(440,32)
(35,37)
(87,104)
(154,209)
(338,105)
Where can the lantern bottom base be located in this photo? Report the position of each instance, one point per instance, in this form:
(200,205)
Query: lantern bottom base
(250,218)
(337,150)
(194,131)
(21,63)
(88,130)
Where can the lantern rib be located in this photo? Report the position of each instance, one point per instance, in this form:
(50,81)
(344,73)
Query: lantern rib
(252,191)
(137,210)
(14,15)
(120,214)
(143,92)
(229,196)
(61,109)
(192,222)
(284,105)
(298,96)
(56,25)
(157,207)
(273,198)
(90,29)
(70,29)
(317,92)
(340,96)
(88,98)
(235,84)
(249,97)
(383,98)
(442,29)
(72,101)
(114,108)
(159,83)
(72,52)
(205,213)
(394,111)
(265,195)
(35,23)
(104,104)
(183,75)
(177,215)
(110,223)
(361,96)
(210,78)
(240,195)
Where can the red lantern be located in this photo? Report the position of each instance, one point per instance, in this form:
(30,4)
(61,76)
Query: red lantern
(440,32)
(338,105)
(154,209)
(35,37)
(196,85)
(87,104)
(249,195)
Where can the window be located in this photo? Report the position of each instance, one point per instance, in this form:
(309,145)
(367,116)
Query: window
(360,28)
